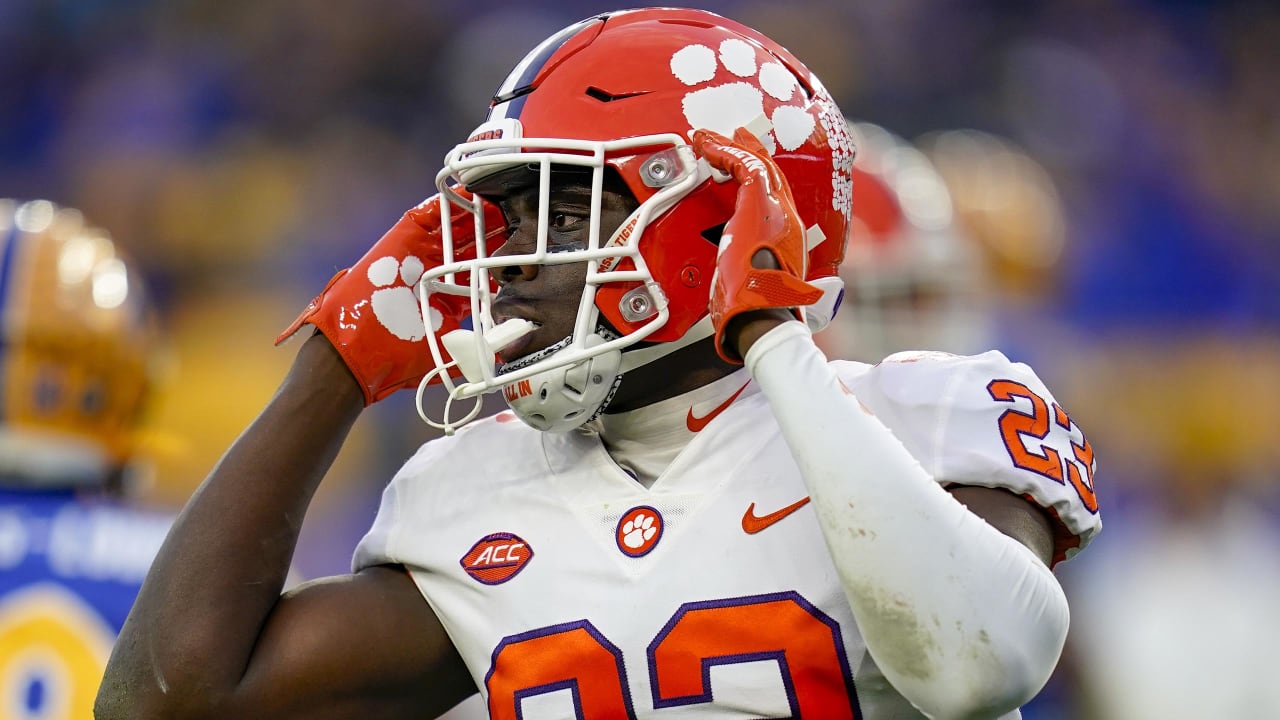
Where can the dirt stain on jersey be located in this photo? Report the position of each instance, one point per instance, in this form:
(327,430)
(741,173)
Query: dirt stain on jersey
(913,650)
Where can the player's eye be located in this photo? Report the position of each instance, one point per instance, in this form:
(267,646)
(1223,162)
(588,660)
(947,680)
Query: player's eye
(564,221)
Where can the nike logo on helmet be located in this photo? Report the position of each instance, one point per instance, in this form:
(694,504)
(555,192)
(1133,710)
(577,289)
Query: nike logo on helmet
(695,424)
(752,523)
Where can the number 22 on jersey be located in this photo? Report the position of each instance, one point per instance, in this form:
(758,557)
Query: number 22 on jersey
(782,627)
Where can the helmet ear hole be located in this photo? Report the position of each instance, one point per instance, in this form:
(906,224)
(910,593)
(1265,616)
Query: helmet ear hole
(714,233)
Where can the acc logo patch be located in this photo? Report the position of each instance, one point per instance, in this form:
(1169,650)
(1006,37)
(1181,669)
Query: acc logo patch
(497,558)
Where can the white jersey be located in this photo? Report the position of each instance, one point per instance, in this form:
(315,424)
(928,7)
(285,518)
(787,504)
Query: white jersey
(572,590)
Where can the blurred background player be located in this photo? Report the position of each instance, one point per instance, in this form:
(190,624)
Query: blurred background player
(78,355)
(912,278)
(1008,207)
(952,237)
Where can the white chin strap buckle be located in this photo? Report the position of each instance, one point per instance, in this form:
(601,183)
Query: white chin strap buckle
(462,346)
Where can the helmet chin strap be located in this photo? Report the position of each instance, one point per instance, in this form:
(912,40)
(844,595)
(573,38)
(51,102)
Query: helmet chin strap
(565,398)
(639,357)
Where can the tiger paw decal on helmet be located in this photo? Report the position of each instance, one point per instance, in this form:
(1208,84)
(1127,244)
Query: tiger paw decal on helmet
(735,104)
(759,85)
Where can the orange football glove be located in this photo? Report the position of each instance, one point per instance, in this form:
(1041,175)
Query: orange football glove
(764,217)
(370,311)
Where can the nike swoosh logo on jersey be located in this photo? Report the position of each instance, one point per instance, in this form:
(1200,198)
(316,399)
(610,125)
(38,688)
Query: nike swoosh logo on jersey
(695,424)
(752,523)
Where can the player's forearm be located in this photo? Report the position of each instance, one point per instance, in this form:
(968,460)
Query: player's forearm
(963,620)
(193,627)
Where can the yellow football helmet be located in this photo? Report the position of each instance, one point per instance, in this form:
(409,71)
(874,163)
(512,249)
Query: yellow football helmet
(1008,203)
(77,342)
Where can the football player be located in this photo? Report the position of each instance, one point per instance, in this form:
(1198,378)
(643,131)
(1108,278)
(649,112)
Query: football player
(914,278)
(688,511)
(76,363)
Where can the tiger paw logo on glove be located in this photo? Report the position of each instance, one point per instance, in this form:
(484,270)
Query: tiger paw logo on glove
(395,305)
(370,311)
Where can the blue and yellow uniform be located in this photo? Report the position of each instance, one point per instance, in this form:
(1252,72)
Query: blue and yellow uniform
(69,571)
(76,350)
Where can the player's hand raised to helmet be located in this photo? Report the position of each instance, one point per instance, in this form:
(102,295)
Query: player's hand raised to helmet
(765,218)
(370,311)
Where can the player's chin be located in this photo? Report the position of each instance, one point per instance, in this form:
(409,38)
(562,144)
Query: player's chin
(521,347)
(516,350)
(532,348)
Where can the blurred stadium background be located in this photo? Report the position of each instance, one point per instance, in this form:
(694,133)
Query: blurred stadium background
(241,152)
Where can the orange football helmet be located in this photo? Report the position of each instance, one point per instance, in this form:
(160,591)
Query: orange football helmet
(621,93)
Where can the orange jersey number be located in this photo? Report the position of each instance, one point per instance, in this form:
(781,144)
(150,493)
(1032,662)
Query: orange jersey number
(784,627)
(583,661)
(1016,425)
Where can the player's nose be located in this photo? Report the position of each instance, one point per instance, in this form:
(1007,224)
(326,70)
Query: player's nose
(515,246)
